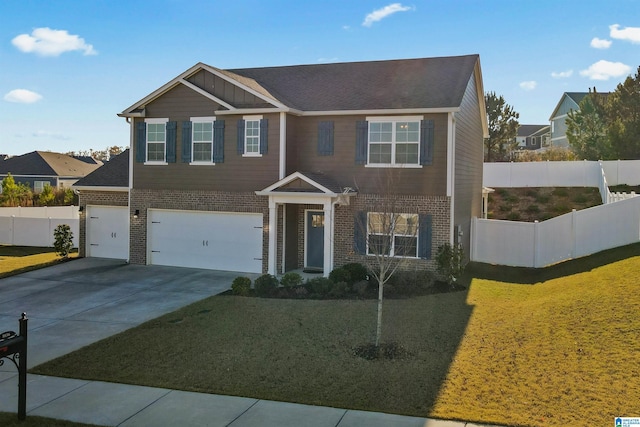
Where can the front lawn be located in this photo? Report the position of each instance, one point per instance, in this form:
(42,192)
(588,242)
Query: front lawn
(560,352)
(11,420)
(20,259)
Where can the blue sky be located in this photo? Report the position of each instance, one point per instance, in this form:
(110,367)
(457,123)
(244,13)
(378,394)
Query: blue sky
(67,67)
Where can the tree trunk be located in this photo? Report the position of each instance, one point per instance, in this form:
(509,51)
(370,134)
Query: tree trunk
(379,324)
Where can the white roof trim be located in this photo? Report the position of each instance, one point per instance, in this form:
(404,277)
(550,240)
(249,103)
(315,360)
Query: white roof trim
(286,180)
(250,111)
(386,111)
(98,188)
(207,94)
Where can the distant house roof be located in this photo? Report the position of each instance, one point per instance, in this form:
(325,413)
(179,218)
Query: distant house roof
(89,159)
(114,174)
(529,130)
(46,163)
(575,98)
(425,83)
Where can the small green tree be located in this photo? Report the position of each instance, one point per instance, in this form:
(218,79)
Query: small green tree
(47,196)
(587,129)
(503,127)
(63,240)
(450,262)
(623,108)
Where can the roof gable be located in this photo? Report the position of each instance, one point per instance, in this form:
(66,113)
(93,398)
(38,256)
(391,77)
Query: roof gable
(426,83)
(114,173)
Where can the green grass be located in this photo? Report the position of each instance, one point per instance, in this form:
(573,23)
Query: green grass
(11,420)
(20,259)
(551,347)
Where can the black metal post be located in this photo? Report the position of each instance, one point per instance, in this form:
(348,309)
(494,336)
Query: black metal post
(22,370)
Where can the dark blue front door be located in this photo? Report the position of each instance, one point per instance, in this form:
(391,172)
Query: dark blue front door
(315,239)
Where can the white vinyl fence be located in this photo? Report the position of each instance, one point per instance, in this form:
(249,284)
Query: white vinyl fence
(573,235)
(34,226)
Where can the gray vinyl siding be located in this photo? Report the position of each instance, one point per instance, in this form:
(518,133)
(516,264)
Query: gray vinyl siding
(302,155)
(468,163)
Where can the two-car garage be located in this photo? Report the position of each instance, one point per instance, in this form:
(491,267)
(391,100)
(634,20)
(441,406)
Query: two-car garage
(200,239)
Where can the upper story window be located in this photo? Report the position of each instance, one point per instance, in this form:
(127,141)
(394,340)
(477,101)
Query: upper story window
(202,140)
(156,140)
(252,136)
(394,141)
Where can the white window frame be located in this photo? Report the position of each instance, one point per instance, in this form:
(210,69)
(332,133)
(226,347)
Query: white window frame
(195,120)
(146,148)
(394,120)
(394,234)
(38,186)
(248,119)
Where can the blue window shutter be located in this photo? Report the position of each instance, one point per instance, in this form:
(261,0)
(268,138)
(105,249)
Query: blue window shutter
(425,234)
(264,132)
(362,137)
(218,141)
(141,142)
(171,141)
(186,142)
(241,136)
(325,138)
(426,142)
(360,233)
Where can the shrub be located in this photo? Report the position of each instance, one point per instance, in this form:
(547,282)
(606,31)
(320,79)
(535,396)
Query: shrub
(361,287)
(450,262)
(339,289)
(340,274)
(543,198)
(407,283)
(241,286)
(356,271)
(319,286)
(291,279)
(512,198)
(63,240)
(265,285)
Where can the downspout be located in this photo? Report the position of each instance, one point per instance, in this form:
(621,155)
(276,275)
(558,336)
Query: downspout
(451,167)
(283,145)
(131,134)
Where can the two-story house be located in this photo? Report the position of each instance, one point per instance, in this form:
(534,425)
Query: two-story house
(270,169)
(533,137)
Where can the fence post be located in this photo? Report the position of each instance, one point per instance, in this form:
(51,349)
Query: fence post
(536,243)
(574,236)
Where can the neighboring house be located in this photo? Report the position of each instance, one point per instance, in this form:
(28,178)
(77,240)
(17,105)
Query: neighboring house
(104,210)
(269,169)
(570,101)
(40,168)
(533,137)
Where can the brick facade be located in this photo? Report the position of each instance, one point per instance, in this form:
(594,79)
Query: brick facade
(98,198)
(213,201)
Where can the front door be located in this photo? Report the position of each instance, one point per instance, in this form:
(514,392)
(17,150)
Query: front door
(315,239)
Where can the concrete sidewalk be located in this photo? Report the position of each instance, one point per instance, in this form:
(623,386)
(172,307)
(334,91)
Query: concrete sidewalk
(110,404)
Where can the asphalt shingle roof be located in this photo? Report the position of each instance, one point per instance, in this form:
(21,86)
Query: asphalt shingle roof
(46,163)
(114,173)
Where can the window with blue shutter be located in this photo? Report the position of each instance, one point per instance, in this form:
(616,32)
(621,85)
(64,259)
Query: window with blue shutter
(362,136)
(240,140)
(171,141)
(186,142)
(425,235)
(218,141)
(264,131)
(325,138)
(141,142)
(426,142)
(360,232)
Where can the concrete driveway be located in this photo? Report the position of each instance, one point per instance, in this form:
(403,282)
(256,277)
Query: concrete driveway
(79,302)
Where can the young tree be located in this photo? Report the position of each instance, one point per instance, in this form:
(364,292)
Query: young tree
(46,197)
(14,194)
(503,128)
(587,129)
(623,108)
(63,240)
(388,235)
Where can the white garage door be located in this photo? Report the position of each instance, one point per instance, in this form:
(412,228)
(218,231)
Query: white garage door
(211,240)
(107,232)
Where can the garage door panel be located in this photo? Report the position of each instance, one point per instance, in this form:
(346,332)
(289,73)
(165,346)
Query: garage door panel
(107,232)
(211,240)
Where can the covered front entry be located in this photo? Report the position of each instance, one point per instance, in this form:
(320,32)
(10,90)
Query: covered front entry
(316,195)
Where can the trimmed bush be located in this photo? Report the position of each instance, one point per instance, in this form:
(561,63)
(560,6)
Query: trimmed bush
(408,283)
(63,240)
(291,279)
(265,285)
(361,287)
(356,271)
(241,286)
(339,290)
(340,274)
(319,286)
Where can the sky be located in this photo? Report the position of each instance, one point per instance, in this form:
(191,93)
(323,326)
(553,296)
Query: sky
(68,67)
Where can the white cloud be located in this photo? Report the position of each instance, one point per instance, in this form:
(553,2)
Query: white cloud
(22,96)
(604,70)
(597,43)
(382,13)
(529,85)
(562,74)
(49,134)
(631,34)
(48,42)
